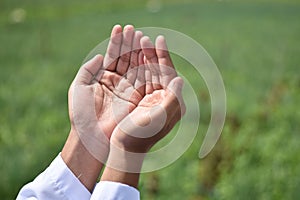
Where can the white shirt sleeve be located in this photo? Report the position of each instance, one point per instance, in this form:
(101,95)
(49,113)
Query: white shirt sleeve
(58,182)
(106,190)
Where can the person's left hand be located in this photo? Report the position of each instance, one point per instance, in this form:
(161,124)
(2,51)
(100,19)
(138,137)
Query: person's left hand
(101,95)
(98,99)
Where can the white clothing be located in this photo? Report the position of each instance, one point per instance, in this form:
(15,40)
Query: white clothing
(58,182)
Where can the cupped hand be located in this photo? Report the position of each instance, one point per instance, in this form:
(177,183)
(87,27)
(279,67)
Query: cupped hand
(162,105)
(99,88)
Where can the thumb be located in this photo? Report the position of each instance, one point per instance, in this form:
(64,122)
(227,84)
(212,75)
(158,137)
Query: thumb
(89,70)
(175,86)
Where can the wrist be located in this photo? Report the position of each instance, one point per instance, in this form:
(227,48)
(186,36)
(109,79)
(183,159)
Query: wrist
(78,159)
(114,175)
(123,166)
(124,160)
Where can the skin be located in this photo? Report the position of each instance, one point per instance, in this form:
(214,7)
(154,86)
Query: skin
(162,88)
(132,65)
(108,70)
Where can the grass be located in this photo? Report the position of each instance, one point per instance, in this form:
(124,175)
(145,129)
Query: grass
(254,44)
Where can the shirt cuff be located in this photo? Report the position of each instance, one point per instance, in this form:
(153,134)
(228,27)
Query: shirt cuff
(107,190)
(56,182)
(65,181)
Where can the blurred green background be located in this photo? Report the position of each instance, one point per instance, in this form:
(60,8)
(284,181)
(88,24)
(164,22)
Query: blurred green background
(255,44)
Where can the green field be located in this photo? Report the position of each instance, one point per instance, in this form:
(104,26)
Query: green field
(255,44)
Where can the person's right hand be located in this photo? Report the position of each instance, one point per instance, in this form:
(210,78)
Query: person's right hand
(162,105)
(156,114)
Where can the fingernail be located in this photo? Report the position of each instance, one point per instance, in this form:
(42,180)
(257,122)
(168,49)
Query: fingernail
(160,37)
(146,42)
(129,27)
(139,34)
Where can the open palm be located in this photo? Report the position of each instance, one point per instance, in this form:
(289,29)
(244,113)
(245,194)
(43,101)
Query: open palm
(161,107)
(100,96)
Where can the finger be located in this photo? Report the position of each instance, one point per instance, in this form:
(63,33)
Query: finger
(152,61)
(144,59)
(175,98)
(167,70)
(89,71)
(126,47)
(131,75)
(140,82)
(175,86)
(148,49)
(136,48)
(174,104)
(141,58)
(148,79)
(113,49)
(134,57)
(162,52)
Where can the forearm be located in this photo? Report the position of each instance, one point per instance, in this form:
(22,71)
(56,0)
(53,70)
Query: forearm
(78,159)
